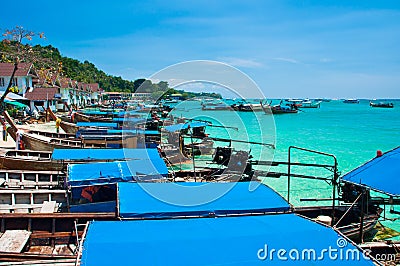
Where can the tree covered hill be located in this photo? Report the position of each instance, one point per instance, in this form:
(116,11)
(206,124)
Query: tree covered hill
(87,72)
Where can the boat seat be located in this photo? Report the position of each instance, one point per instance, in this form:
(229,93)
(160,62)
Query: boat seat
(14,240)
(48,207)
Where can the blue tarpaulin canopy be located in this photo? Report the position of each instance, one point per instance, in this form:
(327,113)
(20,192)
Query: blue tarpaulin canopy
(105,154)
(130,120)
(178,127)
(112,172)
(380,174)
(164,200)
(15,103)
(94,112)
(97,124)
(245,240)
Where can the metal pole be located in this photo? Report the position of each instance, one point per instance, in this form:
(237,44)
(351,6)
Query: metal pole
(288,180)
(334,183)
(362,216)
(334,178)
(194,165)
(47,100)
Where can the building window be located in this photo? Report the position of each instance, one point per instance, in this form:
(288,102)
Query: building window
(15,82)
(1,82)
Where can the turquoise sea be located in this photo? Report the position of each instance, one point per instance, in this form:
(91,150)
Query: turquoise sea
(351,132)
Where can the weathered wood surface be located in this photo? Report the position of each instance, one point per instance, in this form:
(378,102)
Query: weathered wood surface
(48,207)
(14,240)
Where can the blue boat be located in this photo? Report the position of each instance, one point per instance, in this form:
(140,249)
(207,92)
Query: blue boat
(92,187)
(380,174)
(239,227)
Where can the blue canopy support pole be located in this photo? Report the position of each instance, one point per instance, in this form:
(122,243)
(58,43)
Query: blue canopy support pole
(334,178)
(334,184)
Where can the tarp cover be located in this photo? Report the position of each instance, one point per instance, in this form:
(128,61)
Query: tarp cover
(105,154)
(246,240)
(118,171)
(97,124)
(130,120)
(178,127)
(15,103)
(112,172)
(381,173)
(163,200)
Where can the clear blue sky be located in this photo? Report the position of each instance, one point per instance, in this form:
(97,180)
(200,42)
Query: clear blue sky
(318,48)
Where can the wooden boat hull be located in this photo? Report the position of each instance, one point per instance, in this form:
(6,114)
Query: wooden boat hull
(28,164)
(29,160)
(37,144)
(66,126)
(69,127)
(86,118)
(350,225)
(52,238)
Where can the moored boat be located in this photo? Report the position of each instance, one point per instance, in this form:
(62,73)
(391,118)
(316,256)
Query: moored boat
(28,160)
(80,117)
(247,107)
(381,105)
(281,109)
(310,104)
(66,126)
(351,101)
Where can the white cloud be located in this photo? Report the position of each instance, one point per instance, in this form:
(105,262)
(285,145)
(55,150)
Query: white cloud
(325,60)
(240,62)
(289,60)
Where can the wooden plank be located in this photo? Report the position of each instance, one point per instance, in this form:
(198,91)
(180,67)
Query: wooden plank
(67,249)
(55,235)
(14,240)
(29,171)
(19,206)
(59,215)
(35,191)
(48,207)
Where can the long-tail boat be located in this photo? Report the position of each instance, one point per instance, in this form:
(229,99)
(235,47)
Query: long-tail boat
(47,141)
(381,105)
(66,126)
(28,160)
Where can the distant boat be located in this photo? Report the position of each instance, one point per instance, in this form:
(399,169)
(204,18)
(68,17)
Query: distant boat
(295,102)
(351,101)
(323,100)
(247,107)
(281,109)
(381,104)
(310,104)
(212,105)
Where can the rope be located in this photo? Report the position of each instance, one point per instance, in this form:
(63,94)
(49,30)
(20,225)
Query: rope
(341,218)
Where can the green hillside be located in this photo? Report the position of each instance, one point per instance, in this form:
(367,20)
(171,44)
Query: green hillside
(87,72)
